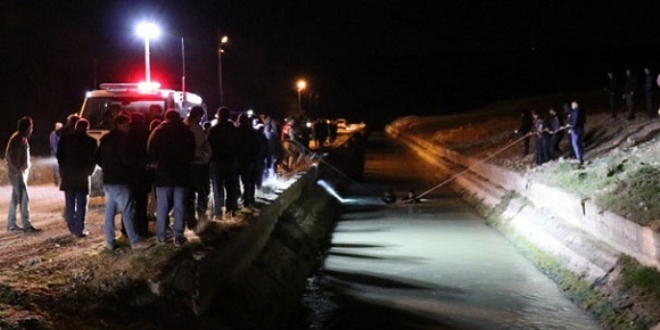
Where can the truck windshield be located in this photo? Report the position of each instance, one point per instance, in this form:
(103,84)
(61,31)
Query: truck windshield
(96,108)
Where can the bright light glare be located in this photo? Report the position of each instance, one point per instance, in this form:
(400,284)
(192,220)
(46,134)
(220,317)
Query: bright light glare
(301,84)
(148,86)
(330,190)
(224,40)
(148,30)
(250,113)
(193,98)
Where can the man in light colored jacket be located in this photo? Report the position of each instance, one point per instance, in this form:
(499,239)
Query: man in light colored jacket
(198,188)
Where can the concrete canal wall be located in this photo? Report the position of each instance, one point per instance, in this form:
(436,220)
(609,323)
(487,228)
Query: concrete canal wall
(583,239)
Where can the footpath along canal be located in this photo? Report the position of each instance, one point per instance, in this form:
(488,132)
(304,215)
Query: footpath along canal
(430,265)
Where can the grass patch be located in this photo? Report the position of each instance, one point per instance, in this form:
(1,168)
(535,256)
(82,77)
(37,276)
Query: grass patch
(642,278)
(635,197)
(627,187)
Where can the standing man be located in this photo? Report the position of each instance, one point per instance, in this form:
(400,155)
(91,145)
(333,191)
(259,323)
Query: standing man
(18,164)
(198,189)
(54,139)
(556,133)
(172,147)
(576,124)
(116,159)
(526,125)
(75,156)
(648,92)
(225,144)
(629,89)
(613,93)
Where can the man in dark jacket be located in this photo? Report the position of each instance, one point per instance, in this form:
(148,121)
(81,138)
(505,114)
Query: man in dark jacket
(648,92)
(141,179)
(171,147)
(613,94)
(526,125)
(629,89)
(117,161)
(248,159)
(577,120)
(75,157)
(225,143)
(556,133)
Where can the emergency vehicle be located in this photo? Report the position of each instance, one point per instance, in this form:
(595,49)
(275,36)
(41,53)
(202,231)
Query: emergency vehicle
(130,98)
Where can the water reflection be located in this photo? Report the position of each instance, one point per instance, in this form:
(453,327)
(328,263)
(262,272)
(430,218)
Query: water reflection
(434,265)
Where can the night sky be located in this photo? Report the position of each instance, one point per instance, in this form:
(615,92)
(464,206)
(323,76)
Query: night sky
(363,60)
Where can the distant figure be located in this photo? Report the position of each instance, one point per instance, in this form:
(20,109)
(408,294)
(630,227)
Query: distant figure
(613,94)
(389,197)
(108,117)
(332,131)
(171,147)
(70,125)
(76,158)
(556,133)
(411,198)
(577,121)
(320,132)
(541,139)
(629,89)
(526,124)
(155,112)
(17,156)
(567,112)
(648,92)
(274,147)
(54,139)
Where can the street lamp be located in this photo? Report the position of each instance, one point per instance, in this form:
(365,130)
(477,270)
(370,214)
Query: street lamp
(223,40)
(147,31)
(301,85)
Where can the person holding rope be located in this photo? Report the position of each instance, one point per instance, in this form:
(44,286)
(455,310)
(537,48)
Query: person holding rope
(526,124)
(556,134)
(542,138)
(411,198)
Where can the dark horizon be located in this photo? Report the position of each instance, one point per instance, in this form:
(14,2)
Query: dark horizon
(369,61)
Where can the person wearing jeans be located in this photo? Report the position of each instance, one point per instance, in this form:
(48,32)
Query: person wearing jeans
(18,163)
(119,196)
(577,121)
(115,158)
(170,198)
(171,146)
(75,156)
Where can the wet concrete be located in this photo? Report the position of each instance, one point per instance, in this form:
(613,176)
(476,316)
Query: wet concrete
(433,265)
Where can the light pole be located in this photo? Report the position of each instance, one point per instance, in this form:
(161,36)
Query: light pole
(301,85)
(223,40)
(147,31)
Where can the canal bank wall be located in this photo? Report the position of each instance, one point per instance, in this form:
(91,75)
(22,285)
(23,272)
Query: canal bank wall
(569,237)
(256,279)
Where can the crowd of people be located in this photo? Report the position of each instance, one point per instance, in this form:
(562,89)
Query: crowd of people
(548,131)
(628,91)
(160,158)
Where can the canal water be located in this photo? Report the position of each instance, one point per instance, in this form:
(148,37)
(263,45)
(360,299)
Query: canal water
(432,265)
